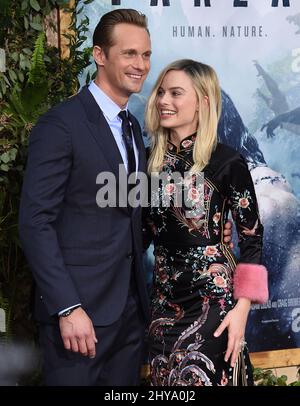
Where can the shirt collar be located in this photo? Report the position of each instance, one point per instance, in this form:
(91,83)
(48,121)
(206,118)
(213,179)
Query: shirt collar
(109,108)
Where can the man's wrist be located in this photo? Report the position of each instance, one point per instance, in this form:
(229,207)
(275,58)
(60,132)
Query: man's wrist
(67,313)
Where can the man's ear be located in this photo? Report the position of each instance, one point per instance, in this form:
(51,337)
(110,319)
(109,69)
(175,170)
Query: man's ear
(99,55)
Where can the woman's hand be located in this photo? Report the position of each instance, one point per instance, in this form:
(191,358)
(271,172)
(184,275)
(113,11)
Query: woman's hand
(235,321)
(227,233)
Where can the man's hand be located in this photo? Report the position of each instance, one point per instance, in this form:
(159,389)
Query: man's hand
(78,333)
(228,233)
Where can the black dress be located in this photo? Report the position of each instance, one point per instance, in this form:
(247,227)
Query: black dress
(193,276)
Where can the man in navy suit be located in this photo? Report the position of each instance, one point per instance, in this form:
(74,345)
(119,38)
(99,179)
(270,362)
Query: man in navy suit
(91,298)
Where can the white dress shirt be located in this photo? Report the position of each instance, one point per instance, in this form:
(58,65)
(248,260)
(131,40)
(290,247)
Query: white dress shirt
(110,111)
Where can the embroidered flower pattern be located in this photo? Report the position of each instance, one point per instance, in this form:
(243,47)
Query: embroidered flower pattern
(220,282)
(193,275)
(187,143)
(240,203)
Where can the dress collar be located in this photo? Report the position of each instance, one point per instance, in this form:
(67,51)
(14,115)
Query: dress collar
(186,144)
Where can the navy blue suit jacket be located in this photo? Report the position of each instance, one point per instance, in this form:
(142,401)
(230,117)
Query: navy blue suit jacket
(78,252)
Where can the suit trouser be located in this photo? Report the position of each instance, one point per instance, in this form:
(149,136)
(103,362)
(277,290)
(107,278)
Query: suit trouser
(119,353)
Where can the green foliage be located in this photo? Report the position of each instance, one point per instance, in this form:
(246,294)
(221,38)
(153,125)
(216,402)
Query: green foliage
(266,377)
(37,73)
(35,78)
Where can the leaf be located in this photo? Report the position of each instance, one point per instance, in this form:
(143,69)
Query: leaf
(12,75)
(62,2)
(33,98)
(24,61)
(3,87)
(13,153)
(22,65)
(4,167)
(14,56)
(21,76)
(15,104)
(36,26)
(24,5)
(47,9)
(280,382)
(26,23)
(6,80)
(37,71)
(35,5)
(27,51)
(5,157)
(37,19)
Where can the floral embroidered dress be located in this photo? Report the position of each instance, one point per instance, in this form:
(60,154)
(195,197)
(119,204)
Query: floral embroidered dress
(194,270)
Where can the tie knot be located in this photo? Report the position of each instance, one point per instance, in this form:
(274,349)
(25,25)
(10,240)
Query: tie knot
(123,115)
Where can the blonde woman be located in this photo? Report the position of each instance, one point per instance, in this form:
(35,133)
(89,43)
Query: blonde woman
(201,296)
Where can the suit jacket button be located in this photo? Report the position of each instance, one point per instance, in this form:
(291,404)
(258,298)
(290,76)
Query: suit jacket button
(129,255)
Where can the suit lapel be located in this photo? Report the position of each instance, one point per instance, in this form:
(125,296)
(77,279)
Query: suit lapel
(100,130)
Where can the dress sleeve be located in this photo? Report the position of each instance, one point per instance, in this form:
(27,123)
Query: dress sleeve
(250,279)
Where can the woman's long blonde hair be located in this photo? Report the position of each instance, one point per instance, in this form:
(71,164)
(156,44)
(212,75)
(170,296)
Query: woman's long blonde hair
(206,84)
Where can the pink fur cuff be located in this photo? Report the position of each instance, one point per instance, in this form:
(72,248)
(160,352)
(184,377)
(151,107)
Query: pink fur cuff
(251,281)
